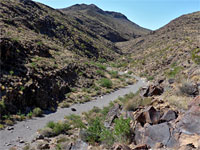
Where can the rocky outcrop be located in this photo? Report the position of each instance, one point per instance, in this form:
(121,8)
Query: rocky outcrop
(151,90)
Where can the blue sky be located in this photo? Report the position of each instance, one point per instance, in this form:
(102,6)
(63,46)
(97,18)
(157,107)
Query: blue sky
(151,14)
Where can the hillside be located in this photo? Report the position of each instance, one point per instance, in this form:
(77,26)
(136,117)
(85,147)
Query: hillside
(169,52)
(49,57)
(113,26)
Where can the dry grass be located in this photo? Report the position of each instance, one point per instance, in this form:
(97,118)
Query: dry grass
(135,102)
(179,101)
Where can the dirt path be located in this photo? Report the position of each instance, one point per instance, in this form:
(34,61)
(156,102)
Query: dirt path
(26,130)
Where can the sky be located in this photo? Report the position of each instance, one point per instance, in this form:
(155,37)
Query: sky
(151,14)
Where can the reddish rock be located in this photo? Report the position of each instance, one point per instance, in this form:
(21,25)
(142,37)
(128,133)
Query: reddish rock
(194,102)
(151,90)
(149,115)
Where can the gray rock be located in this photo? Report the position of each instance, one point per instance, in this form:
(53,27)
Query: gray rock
(169,115)
(157,134)
(79,145)
(112,115)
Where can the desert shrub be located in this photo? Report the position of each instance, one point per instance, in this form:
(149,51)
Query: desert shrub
(104,82)
(60,128)
(174,71)
(149,78)
(130,72)
(1,126)
(8,122)
(100,72)
(51,124)
(102,60)
(107,137)
(133,103)
(94,130)
(27,147)
(46,132)
(196,55)
(101,66)
(57,128)
(122,129)
(188,89)
(114,74)
(76,121)
(64,104)
(30,114)
(37,112)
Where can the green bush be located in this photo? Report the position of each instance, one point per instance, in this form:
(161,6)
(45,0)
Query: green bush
(51,124)
(114,74)
(58,128)
(94,130)
(174,71)
(122,129)
(107,137)
(37,112)
(76,121)
(100,72)
(196,55)
(101,66)
(104,82)
(102,60)
(30,114)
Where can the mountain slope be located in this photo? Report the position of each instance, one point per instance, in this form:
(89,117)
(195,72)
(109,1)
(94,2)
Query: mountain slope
(168,52)
(110,25)
(45,54)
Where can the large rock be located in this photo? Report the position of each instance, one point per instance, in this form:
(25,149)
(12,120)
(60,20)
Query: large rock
(169,115)
(149,115)
(151,135)
(157,134)
(190,122)
(79,145)
(151,90)
(112,115)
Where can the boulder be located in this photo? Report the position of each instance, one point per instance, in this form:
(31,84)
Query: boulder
(149,115)
(152,135)
(169,115)
(151,90)
(190,122)
(112,115)
(157,134)
(79,145)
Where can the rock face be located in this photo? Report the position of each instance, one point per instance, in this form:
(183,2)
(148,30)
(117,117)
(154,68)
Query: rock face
(112,115)
(190,122)
(149,115)
(79,145)
(159,133)
(169,115)
(151,90)
(43,55)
